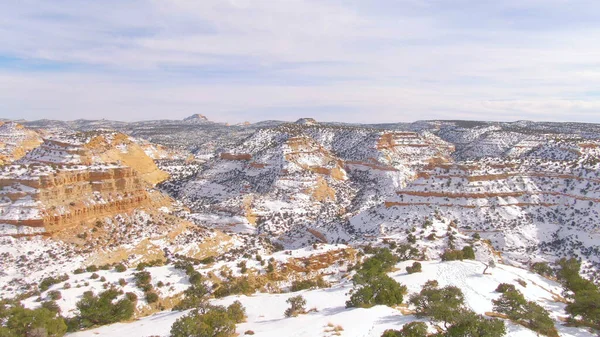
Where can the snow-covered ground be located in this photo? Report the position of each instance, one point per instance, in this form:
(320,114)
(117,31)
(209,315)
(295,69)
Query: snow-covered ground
(266,318)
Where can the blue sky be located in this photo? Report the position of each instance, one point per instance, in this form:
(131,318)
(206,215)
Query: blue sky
(251,60)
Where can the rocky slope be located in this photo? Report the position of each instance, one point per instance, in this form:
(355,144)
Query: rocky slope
(16,141)
(306,196)
(300,182)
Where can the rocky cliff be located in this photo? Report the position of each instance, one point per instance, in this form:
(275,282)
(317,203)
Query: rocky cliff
(16,141)
(76,179)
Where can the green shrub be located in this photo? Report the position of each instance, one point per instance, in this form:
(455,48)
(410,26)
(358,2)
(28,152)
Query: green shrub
(452,255)
(196,277)
(470,324)
(237,312)
(102,309)
(586,295)
(412,329)
(371,284)
(143,265)
(542,268)
(407,252)
(504,287)
(239,285)
(19,321)
(297,306)
(50,281)
(91,268)
(52,306)
(270,267)
(441,304)
(151,297)
(374,290)
(309,284)
(131,296)
(586,304)
(415,268)
(514,305)
(195,296)
(94,276)
(54,295)
(468,253)
(119,268)
(446,305)
(208,260)
(215,322)
(242,266)
(142,278)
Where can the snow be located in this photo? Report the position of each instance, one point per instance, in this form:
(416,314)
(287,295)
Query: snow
(266,319)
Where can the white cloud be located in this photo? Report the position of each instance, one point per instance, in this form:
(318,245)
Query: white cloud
(243,59)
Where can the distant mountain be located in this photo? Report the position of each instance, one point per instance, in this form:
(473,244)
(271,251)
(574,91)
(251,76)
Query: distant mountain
(196,118)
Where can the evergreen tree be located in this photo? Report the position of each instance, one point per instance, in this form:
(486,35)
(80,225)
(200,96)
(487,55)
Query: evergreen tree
(297,306)
(468,253)
(101,309)
(441,304)
(215,322)
(25,322)
(412,329)
(415,268)
(195,296)
(469,324)
(237,312)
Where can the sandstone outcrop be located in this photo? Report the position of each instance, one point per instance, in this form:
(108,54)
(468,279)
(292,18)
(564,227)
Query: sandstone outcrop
(72,180)
(16,141)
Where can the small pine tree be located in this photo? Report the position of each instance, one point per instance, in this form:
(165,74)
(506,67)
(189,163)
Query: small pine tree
(297,306)
(512,304)
(441,304)
(237,312)
(374,290)
(468,253)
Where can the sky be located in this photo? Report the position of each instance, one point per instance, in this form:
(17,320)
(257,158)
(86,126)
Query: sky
(349,61)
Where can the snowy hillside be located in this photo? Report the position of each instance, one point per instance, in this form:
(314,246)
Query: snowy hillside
(266,319)
(262,210)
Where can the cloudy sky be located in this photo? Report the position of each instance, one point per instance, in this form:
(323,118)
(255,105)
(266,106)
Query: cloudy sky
(353,61)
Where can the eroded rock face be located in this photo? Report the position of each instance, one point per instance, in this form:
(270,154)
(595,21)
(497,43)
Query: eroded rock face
(69,181)
(16,141)
(534,207)
(295,180)
(96,148)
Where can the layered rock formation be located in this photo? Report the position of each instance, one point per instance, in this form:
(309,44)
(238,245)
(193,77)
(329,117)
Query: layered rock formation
(16,141)
(301,181)
(79,178)
(541,206)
